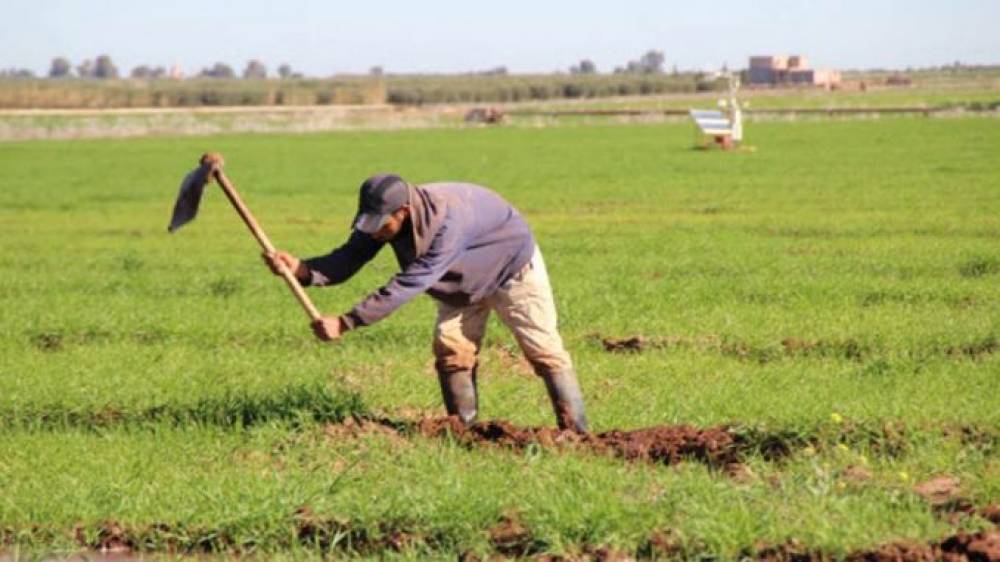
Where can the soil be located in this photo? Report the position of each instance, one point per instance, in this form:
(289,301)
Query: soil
(627,345)
(111,537)
(661,444)
(939,490)
(848,349)
(962,547)
(509,537)
(991,513)
(856,474)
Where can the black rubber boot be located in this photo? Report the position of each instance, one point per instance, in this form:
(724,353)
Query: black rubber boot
(567,400)
(459,391)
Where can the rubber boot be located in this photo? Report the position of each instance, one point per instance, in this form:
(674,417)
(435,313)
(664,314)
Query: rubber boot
(458,388)
(567,400)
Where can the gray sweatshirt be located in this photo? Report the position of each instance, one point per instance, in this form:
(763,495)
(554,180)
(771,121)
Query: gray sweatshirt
(460,244)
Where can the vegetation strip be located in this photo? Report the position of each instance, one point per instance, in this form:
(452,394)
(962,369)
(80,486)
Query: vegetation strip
(829,111)
(509,537)
(292,404)
(850,349)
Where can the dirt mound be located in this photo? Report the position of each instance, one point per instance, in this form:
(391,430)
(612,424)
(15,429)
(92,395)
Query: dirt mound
(633,344)
(662,444)
(789,551)
(991,513)
(962,547)
(939,490)
(109,537)
(511,538)
(671,444)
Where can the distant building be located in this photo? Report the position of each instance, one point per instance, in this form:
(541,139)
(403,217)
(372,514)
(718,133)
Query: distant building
(781,70)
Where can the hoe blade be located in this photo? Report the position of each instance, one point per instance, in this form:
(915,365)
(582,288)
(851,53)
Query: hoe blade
(189,197)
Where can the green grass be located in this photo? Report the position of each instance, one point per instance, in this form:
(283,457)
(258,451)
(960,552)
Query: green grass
(979,93)
(168,383)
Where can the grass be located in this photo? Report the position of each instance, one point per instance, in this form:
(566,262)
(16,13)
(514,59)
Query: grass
(837,288)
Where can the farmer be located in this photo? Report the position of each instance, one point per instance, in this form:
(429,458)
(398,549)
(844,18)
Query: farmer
(472,252)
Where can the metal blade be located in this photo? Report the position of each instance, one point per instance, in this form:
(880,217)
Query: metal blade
(189,197)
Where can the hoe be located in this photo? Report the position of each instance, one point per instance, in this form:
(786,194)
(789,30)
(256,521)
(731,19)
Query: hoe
(186,208)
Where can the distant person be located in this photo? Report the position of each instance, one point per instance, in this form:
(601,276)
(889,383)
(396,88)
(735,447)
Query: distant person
(471,251)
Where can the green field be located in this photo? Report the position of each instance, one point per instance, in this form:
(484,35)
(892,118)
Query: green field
(834,295)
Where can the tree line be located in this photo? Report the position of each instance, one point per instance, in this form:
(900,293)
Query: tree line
(102,67)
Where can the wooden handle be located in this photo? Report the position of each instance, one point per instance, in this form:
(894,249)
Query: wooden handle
(258,233)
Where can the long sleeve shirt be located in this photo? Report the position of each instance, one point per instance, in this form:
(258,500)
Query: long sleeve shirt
(460,244)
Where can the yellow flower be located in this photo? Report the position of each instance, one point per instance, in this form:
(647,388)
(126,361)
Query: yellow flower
(836,418)
(904,476)
(842,448)
(809,451)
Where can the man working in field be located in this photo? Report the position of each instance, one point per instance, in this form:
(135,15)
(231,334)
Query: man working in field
(472,252)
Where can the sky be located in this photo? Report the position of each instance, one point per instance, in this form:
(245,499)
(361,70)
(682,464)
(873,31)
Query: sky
(321,38)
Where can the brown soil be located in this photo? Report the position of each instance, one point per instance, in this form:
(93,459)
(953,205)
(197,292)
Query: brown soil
(856,474)
(792,346)
(991,513)
(511,538)
(962,547)
(939,490)
(975,350)
(628,345)
(111,537)
(849,349)
(661,444)
(944,495)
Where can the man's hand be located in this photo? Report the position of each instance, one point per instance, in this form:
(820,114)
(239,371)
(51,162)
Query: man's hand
(294,264)
(328,328)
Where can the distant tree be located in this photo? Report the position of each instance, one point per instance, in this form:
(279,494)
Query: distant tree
(17,73)
(586,66)
(104,68)
(145,72)
(376,71)
(60,68)
(85,69)
(255,70)
(285,70)
(218,70)
(649,63)
(495,71)
(652,62)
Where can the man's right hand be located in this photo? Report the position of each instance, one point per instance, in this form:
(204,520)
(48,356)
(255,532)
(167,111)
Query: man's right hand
(293,264)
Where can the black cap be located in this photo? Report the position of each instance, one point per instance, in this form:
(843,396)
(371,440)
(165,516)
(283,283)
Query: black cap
(381,196)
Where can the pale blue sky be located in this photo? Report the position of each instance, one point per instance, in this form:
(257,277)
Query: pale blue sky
(321,38)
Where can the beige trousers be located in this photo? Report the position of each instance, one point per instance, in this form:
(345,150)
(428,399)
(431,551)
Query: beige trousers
(524,304)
